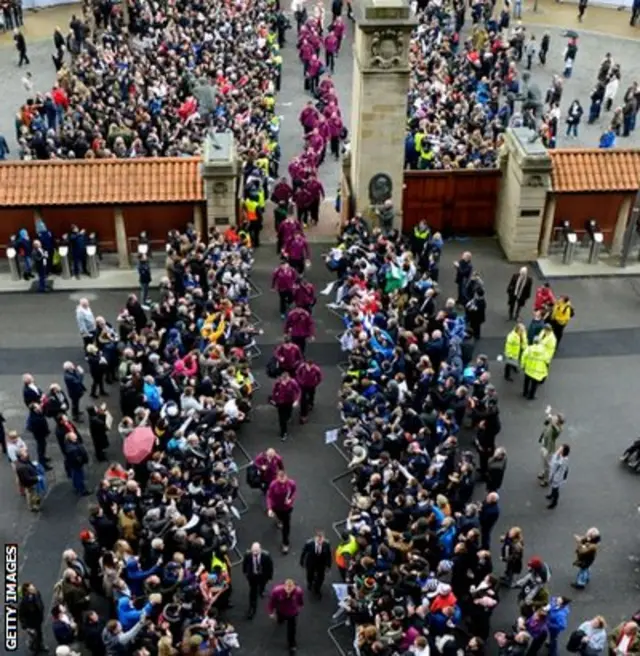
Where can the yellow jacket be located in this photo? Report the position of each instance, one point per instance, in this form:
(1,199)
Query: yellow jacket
(534,362)
(549,343)
(514,345)
(210,330)
(562,313)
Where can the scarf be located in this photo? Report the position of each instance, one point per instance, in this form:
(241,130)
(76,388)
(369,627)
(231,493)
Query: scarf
(520,283)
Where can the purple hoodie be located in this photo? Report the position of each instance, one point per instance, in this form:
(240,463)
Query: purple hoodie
(285,392)
(297,248)
(284,278)
(273,466)
(299,323)
(308,376)
(304,295)
(287,229)
(283,604)
(289,356)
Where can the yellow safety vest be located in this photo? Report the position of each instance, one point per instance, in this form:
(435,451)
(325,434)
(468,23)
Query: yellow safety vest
(561,313)
(251,208)
(534,362)
(349,548)
(417,141)
(515,345)
(263,163)
(216,562)
(421,234)
(261,199)
(549,343)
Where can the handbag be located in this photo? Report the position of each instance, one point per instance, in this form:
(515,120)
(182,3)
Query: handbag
(574,643)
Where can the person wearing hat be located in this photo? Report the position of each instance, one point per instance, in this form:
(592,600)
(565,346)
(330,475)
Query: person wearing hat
(285,603)
(257,567)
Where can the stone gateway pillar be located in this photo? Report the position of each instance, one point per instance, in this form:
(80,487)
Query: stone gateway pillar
(379,110)
(220,175)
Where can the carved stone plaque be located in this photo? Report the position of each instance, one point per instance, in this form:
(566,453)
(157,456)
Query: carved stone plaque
(387,47)
(380,188)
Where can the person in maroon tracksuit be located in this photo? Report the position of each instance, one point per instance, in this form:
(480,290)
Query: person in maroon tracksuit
(303,201)
(285,603)
(296,250)
(300,326)
(330,50)
(285,394)
(304,294)
(316,191)
(283,280)
(309,117)
(282,191)
(288,355)
(281,496)
(338,28)
(269,463)
(309,376)
(335,128)
(287,228)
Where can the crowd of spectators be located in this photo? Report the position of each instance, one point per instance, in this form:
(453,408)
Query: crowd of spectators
(157,86)
(154,575)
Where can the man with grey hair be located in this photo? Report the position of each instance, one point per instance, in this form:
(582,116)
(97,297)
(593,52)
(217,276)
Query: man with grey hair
(257,566)
(86,321)
(518,292)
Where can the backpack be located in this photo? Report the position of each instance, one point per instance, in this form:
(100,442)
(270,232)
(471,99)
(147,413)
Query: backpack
(58,597)
(254,478)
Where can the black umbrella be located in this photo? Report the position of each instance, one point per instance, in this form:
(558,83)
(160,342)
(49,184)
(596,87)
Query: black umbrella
(570,34)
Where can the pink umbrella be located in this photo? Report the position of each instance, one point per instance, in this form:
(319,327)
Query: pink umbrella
(139,445)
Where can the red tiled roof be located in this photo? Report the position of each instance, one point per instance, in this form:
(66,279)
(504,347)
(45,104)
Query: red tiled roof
(590,169)
(101,182)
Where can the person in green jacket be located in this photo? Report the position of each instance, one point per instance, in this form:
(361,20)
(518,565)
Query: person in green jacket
(553,425)
(514,347)
(534,365)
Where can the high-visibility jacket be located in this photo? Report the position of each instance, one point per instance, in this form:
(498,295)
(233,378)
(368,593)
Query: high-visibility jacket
(514,345)
(417,141)
(263,163)
(210,330)
(549,343)
(261,199)
(420,233)
(251,209)
(217,562)
(245,238)
(534,362)
(346,551)
(561,313)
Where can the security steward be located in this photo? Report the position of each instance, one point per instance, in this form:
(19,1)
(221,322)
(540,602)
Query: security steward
(345,552)
(534,365)
(316,559)
(421,234)
(257,566)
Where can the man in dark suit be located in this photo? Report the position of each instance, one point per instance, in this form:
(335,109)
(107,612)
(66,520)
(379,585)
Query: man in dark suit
(257,566)
(316,559)
(31,393)
(518,292)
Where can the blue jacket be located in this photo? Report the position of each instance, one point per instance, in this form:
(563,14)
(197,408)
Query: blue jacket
(438,620)
(135,576)
(128,615)
(73,381)
(447,541)
(154,400)
(558,617)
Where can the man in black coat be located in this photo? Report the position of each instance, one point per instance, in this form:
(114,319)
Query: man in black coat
(518,292)
(31,393)
(38,426)
(27,474)
(74,382)
(75,458)
(92,628)
(104,526)
(257,566)
(316,559)
(21,47)
(31,615)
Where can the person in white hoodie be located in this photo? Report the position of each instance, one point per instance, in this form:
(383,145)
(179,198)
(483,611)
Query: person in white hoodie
(611,90)
(420,647)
